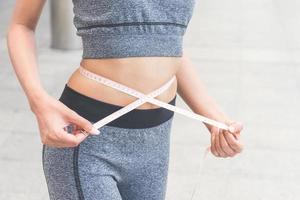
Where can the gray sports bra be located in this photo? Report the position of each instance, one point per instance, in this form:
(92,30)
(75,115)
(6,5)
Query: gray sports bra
(131,28)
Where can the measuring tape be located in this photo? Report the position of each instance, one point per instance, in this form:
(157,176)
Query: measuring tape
(142,98)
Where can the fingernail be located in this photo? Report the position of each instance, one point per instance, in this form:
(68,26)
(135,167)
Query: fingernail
(231,129)
(95,131)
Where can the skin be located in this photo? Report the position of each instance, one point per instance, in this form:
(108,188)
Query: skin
(140,73)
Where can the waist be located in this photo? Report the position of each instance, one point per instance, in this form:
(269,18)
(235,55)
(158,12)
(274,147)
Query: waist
(95,110)
(143,74)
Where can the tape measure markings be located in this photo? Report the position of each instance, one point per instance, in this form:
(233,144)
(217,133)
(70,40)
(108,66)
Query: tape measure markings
(146,98)
(130,106)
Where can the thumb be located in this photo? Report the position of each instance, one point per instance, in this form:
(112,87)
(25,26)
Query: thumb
(83,123)
(235,127)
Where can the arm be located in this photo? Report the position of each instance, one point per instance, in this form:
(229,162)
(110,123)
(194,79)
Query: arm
(51,114)
(22,49)
(194,93)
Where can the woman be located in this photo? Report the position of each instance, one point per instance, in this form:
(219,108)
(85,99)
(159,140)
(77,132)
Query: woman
(135,43)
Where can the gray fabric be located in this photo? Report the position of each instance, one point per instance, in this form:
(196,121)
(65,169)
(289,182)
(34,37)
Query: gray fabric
(118,164)
(124,28)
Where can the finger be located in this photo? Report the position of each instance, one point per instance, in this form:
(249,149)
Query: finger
(233,143)
(81,135)
(49,139)
(225,146)
(69,140)
(212,147)
(215,133)
(237,135)
(218,145)
(56,141)
(235,127)
(83,123)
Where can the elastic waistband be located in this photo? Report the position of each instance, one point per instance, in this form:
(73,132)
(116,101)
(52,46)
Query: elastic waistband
(131,45)
(95,110)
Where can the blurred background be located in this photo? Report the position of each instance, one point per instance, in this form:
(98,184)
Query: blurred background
(248,54)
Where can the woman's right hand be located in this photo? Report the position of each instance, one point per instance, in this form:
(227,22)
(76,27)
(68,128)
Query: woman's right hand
(52,116)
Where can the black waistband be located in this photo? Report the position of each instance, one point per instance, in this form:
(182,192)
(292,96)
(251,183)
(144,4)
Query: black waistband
(94,110)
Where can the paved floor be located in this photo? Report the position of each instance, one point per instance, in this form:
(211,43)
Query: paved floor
(246,51)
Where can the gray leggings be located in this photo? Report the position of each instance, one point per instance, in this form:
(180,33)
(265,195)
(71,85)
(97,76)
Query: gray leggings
(127,161)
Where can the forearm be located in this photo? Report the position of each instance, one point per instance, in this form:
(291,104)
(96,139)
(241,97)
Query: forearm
(22,51)
(193,91)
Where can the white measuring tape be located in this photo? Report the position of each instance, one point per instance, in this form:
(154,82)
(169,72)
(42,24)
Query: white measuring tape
(142,98)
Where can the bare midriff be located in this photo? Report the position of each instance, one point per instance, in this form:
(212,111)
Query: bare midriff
(144,74)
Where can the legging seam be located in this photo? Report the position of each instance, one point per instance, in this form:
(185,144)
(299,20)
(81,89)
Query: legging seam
(43,157)
(76,173)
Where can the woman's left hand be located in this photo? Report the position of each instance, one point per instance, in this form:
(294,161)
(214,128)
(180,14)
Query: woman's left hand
(226,143)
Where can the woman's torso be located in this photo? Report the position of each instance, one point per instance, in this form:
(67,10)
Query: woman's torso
(136,43)
(144,74)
